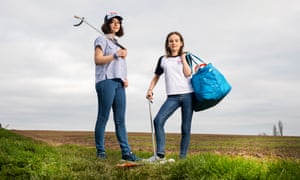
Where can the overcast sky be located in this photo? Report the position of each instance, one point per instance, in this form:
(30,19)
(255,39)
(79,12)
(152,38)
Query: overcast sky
(47,67)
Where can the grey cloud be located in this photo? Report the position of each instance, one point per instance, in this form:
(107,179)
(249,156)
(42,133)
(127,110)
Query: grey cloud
(47,68)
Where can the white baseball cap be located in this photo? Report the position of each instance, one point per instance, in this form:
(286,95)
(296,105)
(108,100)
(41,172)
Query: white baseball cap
(111,15)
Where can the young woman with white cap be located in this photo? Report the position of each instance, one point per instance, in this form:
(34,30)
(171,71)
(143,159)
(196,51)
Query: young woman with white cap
(111,81)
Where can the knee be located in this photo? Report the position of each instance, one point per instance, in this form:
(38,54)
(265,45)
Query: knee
(158,123)
(186,131)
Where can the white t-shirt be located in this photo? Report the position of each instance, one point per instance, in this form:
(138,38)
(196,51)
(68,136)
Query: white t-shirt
(175,81)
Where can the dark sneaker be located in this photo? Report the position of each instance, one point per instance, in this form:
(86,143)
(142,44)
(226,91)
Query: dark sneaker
(130,157)
(101,156)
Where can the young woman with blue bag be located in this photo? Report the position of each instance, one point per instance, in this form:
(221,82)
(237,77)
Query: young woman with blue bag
(179,92)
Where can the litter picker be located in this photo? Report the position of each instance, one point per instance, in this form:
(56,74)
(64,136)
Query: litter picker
(171,160)
(82,20)
(152,129)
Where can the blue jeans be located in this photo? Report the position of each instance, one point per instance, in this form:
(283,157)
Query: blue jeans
(173,102)
(111,94)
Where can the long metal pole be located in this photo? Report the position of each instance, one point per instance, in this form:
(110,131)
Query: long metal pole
(82,20)
(152,129)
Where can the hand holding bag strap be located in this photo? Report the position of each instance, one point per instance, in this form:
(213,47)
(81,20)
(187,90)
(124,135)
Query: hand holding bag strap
(189,57)
(189,60)
(195,58)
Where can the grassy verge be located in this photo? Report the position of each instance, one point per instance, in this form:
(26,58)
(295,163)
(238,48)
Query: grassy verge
(24,158)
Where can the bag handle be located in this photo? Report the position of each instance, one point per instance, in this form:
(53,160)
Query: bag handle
(190,60)
(191,55)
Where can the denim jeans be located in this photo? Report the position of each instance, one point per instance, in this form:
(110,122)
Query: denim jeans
(111,94)
(173,102)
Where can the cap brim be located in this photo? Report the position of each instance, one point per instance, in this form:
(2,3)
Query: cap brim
(114,16)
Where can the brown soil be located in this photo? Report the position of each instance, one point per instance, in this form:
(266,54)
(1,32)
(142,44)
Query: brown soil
(246,146)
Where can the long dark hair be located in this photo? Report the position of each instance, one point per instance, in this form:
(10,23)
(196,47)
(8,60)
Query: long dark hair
(106,28)
(167,49)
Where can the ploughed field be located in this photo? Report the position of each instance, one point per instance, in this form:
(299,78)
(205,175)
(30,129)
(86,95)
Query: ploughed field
(241,145)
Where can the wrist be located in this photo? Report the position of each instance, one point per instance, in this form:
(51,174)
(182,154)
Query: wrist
(115,56)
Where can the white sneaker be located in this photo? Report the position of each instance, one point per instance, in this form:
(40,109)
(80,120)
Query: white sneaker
(164,160)
(154,159)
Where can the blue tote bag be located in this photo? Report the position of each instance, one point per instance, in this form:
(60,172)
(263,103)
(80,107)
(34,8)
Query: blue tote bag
(209,84)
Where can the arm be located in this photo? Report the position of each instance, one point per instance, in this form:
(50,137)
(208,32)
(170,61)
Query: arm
(151,87)
(100,59)
(186,68)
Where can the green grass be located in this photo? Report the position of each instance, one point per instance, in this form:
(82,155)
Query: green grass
(24,158)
